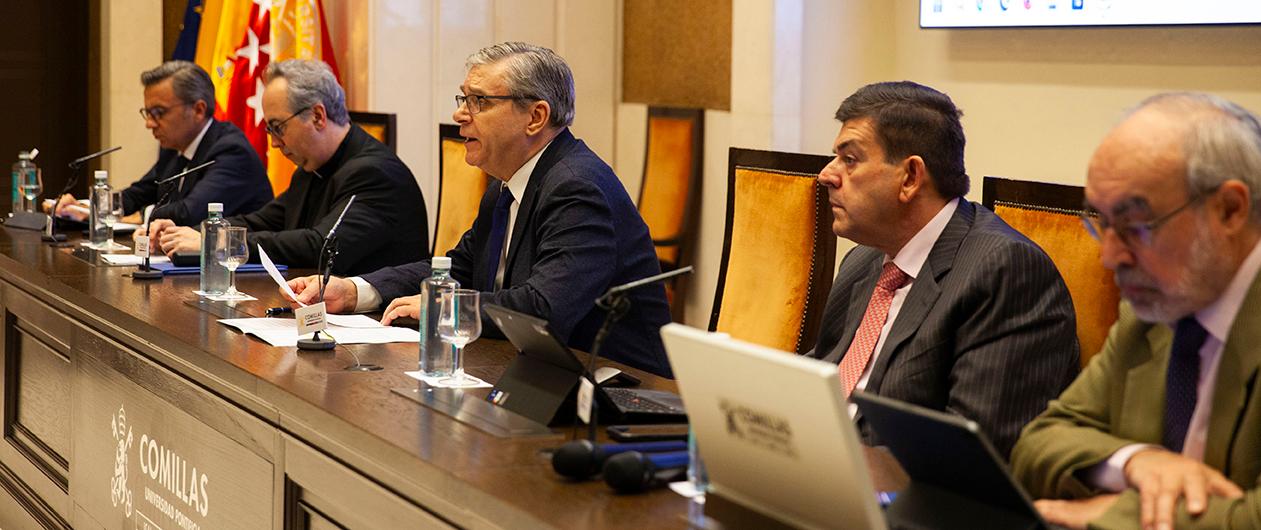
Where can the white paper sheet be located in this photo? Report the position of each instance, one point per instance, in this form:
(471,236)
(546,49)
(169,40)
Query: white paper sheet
(131,259)
(283,332)
(437,381)
(275,275)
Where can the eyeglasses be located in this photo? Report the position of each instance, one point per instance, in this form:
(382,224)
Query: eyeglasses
(277,128)
(474,102)
(1134,234)
(156,113)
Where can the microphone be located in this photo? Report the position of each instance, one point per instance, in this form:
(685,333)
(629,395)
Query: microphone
(616,303)
(581,459)
(185,172)
(633,472)
(328,252)
(50,234)
(78,162)
(145,272)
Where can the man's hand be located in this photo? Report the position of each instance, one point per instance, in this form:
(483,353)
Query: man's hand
(69,208)
(340,295)
(178,238)
(1162,477)
(402,307)
(1076,513)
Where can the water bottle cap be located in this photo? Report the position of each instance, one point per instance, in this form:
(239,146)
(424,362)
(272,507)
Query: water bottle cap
(440,262)
(24,155)
(215,207)
(101,175)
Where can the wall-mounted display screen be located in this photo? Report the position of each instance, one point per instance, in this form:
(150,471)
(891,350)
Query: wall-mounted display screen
(1031,13)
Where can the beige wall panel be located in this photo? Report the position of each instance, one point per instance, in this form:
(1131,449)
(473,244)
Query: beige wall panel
(677,53)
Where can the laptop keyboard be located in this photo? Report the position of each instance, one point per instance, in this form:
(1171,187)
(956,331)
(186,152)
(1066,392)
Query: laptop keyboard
(630,400)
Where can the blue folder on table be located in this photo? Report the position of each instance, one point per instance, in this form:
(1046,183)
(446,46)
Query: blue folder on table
(170,268)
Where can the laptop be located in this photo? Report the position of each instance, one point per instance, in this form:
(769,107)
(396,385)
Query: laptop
(773,430)
(958,480)
(540,383)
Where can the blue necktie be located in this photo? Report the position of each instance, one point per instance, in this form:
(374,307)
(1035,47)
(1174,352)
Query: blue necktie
(498,231)
(1182,380)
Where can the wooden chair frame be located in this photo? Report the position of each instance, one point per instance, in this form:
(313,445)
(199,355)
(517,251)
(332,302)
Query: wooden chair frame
(685,240)
(388,121)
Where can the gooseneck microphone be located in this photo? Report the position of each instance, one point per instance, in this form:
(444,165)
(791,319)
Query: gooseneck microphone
(581,459)
(328,252)
(145,272)
(633,472)
(50,233)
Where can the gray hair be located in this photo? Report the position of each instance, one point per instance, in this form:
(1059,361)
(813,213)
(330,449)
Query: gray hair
(534,73)
(1223,141)
(311,82)
(190,83)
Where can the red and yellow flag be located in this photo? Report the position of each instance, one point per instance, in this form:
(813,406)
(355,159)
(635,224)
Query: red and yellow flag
(236,43)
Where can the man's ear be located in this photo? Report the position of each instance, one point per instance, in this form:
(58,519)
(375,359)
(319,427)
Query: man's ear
(1234,201)
(540,117)
(916,180)
(319,116)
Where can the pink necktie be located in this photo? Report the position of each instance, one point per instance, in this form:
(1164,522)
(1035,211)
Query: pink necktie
(859,353)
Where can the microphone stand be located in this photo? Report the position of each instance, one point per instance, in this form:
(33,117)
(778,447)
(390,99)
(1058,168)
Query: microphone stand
(616,303)
(145,272)
(50,234)
(328,252)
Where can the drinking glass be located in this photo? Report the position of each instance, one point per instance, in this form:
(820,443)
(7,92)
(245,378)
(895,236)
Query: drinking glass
(231,251)
(112,206)
(459,323)
(32,184)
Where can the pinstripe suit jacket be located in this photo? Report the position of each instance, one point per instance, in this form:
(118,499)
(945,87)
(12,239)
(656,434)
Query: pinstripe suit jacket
(987,330)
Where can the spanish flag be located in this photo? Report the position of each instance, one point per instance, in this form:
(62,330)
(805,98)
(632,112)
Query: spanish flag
(236,40)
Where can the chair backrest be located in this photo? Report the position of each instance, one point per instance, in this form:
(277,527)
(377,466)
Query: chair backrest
(383,127)
(460,190)
(669,196)
(1050,215)
(778,251)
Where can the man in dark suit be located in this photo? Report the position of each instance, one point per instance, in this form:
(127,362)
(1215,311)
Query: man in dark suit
(305,111)
(555,235)
(179,105)
(1163,428)
(941,304)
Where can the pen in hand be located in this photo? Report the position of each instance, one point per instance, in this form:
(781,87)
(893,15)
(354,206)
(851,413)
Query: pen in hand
(277,311)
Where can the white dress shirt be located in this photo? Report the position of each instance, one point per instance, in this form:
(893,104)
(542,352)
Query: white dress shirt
(1217,319)
(910,259)
(369,299)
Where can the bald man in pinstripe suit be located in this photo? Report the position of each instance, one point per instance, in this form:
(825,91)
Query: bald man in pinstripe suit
(942,304)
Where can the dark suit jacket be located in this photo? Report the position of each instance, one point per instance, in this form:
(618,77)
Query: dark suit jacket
(987,330)
(1120,399)
(386,226)
(236,179)
(577,233)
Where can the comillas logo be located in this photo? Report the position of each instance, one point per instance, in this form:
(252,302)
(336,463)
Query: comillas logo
(120,494)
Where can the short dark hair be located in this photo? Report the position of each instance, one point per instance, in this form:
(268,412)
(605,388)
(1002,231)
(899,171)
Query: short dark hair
(190,83)
(912,119)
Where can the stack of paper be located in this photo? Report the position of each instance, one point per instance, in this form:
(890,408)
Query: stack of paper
(345,329)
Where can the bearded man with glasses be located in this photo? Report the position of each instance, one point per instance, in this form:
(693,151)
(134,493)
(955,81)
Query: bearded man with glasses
(305,114)
(179,107)
(1163,428)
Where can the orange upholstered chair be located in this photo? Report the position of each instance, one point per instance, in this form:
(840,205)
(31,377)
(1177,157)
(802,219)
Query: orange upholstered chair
(669,196)
(380,126)
(1050,215)
(460,189)
(778,252)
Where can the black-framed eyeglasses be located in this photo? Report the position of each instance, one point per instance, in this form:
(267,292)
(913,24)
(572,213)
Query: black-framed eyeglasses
(156,112)
(277,128)
(1134,234)
(474,102)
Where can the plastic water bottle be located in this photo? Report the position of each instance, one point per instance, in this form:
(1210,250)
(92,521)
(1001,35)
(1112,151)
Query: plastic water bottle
(214,277)
(24,171)
(435,355)
(98,231)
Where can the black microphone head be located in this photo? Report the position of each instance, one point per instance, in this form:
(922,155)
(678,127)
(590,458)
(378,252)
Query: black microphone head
(578,459)
(628,472)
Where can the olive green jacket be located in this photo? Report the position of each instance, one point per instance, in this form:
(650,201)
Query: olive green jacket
(1119,399)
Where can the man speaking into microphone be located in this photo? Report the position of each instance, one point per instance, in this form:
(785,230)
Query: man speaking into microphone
(179,105)
(553,236)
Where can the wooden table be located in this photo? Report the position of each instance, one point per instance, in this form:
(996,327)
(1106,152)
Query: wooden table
(229,432)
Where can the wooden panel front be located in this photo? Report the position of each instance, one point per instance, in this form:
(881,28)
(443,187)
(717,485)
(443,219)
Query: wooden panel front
(143,461)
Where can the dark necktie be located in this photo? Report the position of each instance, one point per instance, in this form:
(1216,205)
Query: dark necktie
(181,163)
(1182,380)
(498,231)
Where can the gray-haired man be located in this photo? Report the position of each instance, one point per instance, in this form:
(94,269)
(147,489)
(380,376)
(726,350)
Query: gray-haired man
(179,105)
(305,111)
(555,235)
